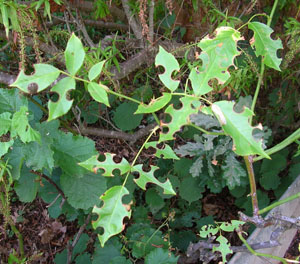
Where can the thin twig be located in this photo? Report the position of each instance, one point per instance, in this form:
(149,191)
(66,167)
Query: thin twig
(71,246)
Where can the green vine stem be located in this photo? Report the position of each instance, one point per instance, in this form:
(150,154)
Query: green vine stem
(275,204)
(289,140)
(253,194)
(255,253)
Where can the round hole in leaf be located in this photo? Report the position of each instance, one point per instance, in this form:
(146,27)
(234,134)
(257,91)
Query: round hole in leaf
(54,97)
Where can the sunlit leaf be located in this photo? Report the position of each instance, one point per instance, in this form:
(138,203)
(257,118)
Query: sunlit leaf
(63,105)
(217,55)
(264,45)
(148,177)
(74,55)
(108,165)
(166,152)
(95,71)
(224,247)
(112,213)
(237,126)
(154,105)
(98,92)
(43,76)
(170,64)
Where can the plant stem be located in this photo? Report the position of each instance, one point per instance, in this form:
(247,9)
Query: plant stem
(249,161)
(275,204)
(292,138)
(255,253)
(205,131)
(13,227)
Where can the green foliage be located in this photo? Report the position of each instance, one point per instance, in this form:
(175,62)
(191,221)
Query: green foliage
(37,149)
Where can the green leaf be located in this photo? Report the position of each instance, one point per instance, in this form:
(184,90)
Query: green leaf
(74,55)
(95,71)
(70,150)
(154,200)
(4,16)
(11,100)
(43,76)
(180,117)
(159,255)
(230,227)
(27,185)
(40,156)
(217,55)
(4,147)
(166,152)
(98,92)
(270,170)
(224,247)
(190,189)
(20,127)
(147,177)
(232,171)
(112,213)
(5,121)
(103,255)
(264,45)
(154,105)
(237,126)
(16,158)
(208,230)
(108,165)
(63,105)
(83,192)
(170,64)
(124,116)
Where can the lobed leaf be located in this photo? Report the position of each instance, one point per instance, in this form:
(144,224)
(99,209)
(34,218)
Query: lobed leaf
(264,45)
(63,105)
(112,213)
(154,105)
(74,54)
(237,126)
(166,152)
(108,165)
(148,177)
(224,247)
(168,61)
(4,147)
(180,117)
(217,55)
(5,121)
(43,76)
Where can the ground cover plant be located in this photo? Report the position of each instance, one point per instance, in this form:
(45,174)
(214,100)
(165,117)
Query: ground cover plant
(183,129)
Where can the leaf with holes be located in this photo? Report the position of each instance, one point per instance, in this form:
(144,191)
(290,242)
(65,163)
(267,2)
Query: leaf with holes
(180,117)
(148,177)
(63,105)
(166,152)
(264,45)
(74,54)
(168,61)
(224,247)
(237,126)
(97,91)
(154,105)
(108,165)
(95,71)
(112,213)
(217,55)
(43,76)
